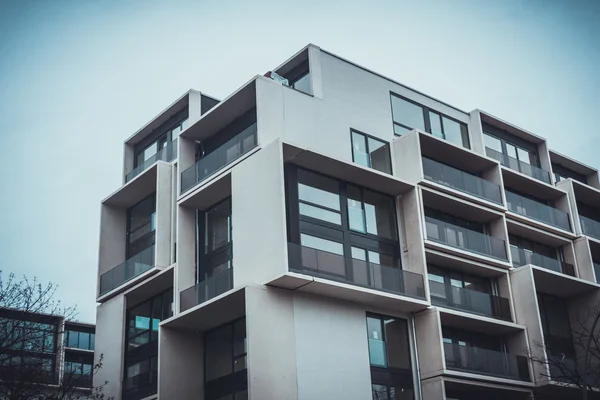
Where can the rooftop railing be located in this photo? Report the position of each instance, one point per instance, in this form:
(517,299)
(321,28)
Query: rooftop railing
(460,180)
(520,166)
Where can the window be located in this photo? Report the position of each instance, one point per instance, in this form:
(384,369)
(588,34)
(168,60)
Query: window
(153,147)
(79,340)
(408,115)
(556,325)
(562,173)
(141,224)
(514,153)
(525,251)
(143,319)
(389,355)
(215,244)
(371,152)
(225,361)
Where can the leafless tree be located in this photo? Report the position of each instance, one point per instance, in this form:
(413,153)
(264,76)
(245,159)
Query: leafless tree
(30,345)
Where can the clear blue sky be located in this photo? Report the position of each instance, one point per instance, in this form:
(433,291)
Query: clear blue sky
(78,77)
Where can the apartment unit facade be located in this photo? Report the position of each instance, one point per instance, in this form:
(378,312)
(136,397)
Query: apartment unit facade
(325,232)
(45,349)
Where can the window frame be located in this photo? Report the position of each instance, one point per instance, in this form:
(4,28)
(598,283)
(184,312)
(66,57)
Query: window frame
(367,137)
(505,156)
(466,136)
(151,236)
(162,133)
(207,261)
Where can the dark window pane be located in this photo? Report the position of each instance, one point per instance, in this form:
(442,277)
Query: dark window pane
(73,339)
(379,154)
(380,392)
(407,114)
(239,339)
(379,215)
(219,353)
(218,226)
(396,340)
(319,190)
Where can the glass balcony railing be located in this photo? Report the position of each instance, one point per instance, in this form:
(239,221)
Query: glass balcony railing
(521,257)
(224,155)
(207,289)
(167,154)
(590,227)
(465,239)
(536,210)
(460,180)
(520,166)
(487,362)
(336,267)
(470,300)
(136,265)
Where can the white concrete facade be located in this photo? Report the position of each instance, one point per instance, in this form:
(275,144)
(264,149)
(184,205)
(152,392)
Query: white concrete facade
(306,334)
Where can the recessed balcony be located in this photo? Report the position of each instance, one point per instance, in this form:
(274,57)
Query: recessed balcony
(337,267)
(128,270)
(538,211)
(487,362)
(207,289)
(460,180)
(590,227)
(522,257)
(167,153)
(519,166)
(472,301)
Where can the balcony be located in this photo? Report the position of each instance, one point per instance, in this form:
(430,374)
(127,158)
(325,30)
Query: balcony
(207,289)
(465,239)
(460,180)
(487,362)
(521,257)
(520,166)
(221,157)
(135,266)
(538,211)
(471,301)
(336,267)
(167,154)
(590,227)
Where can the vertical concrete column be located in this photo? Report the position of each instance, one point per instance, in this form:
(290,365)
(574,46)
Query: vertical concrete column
(113,238)
(476,132)
(185,269)
(433,389)
(567,186)
(429,343)
(186,157)
(110,342)
(163,215)
(494,175)
(407,161)
(504,290)
(271,358)
(527,313)
(545,162)
(316,74)
(128,159)
(585,263)
(181,364)
(412,231)
(194,106)
(269,111)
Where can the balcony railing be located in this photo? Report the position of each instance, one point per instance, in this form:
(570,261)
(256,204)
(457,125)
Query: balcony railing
(520,166)
(466,239)
(136,265)
(521,257)
(538,211)
(224,155)
(336,267)
(487,362)
(460,180)
(590,227)
(140,386)
(470,300)
(167,154)
(207,289)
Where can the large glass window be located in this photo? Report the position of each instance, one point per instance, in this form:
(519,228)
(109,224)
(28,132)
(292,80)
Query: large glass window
(370,152)
(150,149)
(511,154)
(141,224)
(389,355)
(556,325)
(143,319)
(80,340)
(215,242)
(225,362)
(408,115)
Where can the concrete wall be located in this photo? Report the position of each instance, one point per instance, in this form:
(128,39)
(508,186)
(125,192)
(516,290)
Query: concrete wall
(259,217)
(271,344)
(181,364)
(476,132)
(433,389)
(113,231)
(407,162)
(110,341)
(331,350)
(185,270)
(585,266)
(412,228)
(164,206)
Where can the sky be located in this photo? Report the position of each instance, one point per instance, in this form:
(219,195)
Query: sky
(78,77)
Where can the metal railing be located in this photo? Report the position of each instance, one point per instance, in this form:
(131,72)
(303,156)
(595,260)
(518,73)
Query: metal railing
(520,166)
(207,289)
(466,239)
(488,362)
(521,257)
(224,155)
(460,180)
(322,264)
(590,227)
(471,301)
(167,154)
(536,210)
(136,265)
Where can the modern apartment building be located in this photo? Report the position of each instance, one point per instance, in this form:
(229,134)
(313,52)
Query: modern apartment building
(325,232)
(45,349)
